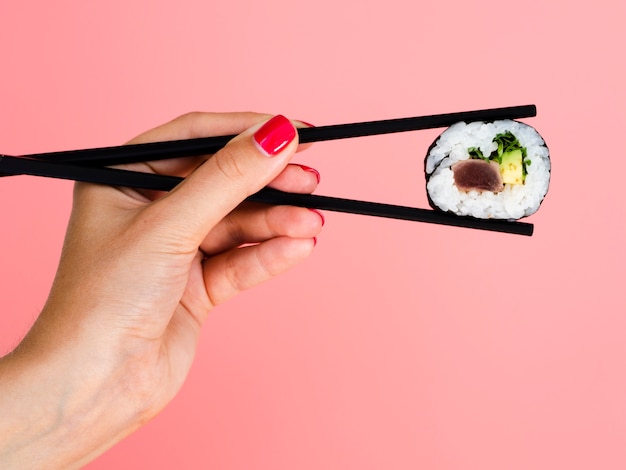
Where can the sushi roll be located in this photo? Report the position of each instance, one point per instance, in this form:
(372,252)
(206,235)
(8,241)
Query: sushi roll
(488,170)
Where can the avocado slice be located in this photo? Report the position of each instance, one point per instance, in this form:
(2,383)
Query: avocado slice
(511,167)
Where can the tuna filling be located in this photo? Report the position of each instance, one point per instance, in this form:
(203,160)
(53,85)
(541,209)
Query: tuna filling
(477,175)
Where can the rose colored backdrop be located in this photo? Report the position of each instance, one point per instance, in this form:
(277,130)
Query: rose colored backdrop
(397,345)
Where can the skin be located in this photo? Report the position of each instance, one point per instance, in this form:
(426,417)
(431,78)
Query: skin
(139,274)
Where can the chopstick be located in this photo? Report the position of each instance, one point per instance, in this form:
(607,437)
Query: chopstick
(88,165)
(208,145)
(116,177)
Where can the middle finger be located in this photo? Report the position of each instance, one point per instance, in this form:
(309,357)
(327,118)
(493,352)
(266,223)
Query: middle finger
(255,223)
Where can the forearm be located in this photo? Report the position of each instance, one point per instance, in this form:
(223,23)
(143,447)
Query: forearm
(53,416)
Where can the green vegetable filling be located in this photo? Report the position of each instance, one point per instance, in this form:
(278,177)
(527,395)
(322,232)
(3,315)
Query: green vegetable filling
(510,155)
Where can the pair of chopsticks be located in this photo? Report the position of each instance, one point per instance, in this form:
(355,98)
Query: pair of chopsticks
(90,165)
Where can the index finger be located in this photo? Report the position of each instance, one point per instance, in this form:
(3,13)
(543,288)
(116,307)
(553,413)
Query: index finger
(191,126)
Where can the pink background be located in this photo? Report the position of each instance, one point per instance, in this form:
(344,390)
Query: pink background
(397,345)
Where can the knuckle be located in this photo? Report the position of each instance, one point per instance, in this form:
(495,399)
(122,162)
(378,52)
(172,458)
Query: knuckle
(234,230)
(234,276)
(229,165)
(190,116)
(264,265)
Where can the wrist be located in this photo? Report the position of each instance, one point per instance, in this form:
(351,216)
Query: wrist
(57,413)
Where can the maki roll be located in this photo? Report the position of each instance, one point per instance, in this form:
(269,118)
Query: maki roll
(488,170)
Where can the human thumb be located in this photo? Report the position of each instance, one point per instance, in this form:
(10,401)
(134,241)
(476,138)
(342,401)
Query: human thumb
(244,166)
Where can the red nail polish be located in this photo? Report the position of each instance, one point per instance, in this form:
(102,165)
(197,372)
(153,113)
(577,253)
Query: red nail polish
(320,214)
(312,170)
(274,135)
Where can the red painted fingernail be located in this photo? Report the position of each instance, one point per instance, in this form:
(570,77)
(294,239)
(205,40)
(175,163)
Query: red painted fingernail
(312,170)
(314,241)
(320,214)
(274,135)
(308,124)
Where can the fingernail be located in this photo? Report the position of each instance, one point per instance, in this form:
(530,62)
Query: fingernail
(274,135)
(311,170)
(307,124)
(320,214)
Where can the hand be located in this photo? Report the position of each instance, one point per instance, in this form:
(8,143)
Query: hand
(139,273)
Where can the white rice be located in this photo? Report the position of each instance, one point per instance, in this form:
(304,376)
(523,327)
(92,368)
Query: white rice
(515,201)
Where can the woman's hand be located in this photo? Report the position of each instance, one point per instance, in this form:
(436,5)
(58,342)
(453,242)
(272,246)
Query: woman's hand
(139,273)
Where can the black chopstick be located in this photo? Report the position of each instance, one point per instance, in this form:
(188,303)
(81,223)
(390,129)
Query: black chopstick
(115,177)
(204,146)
